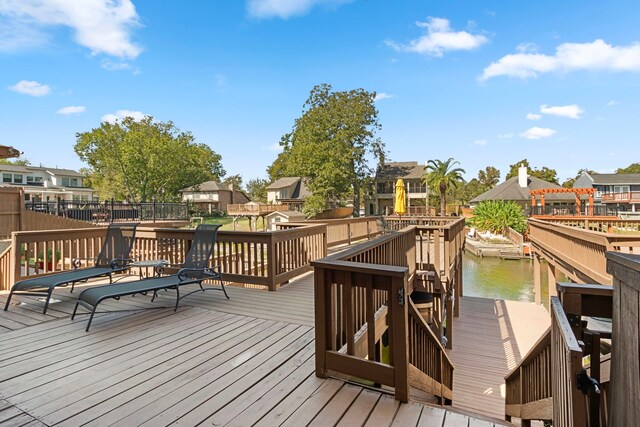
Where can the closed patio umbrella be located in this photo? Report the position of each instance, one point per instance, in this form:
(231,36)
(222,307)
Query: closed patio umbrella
(400,206)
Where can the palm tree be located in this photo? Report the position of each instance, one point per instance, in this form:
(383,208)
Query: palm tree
(441,176)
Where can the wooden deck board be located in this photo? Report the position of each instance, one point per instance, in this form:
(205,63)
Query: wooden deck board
(490,338)
(246,361)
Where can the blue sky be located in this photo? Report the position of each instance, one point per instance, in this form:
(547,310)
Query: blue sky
(484,82)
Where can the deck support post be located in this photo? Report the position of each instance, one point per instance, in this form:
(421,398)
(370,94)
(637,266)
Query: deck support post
(551,281)
(399,300)
(536,278)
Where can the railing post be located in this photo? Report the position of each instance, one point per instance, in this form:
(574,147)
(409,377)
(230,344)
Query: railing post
(399,333)
(153,209)
(111,216)
(15,261)
(322,326)
(272,259)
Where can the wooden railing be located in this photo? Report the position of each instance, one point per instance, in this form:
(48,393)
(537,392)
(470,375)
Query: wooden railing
(625,352)
(544,385)
(261,209)
(577,251)
(623,197)
(5,268)
(569,408)
(341,231)
(360,294)
(603,225)
(528,386)
(258,258)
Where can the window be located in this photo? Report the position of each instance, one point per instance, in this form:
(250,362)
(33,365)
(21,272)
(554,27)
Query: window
(621,189)
(6,177)
(29,179)
(70,182)
(283,194)
(17,178)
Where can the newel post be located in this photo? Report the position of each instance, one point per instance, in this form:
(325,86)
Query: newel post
(322,317)
(15,261)
(399,333)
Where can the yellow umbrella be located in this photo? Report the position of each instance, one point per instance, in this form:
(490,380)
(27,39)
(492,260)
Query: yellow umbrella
(400,206)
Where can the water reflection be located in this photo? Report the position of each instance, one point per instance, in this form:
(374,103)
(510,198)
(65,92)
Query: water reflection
(501,279)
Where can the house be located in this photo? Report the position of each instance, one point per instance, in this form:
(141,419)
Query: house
(380,200)
(283,216)
(213,196)
(290,190)
(43,184)
(617,191)
(518,189)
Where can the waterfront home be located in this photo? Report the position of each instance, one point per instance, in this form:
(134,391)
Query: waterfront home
(213,196)
(618,190)
(290,191)
(42,184)
(380,200)
(518,189)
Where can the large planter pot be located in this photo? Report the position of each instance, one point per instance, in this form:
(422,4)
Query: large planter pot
(49,265)
(424,303)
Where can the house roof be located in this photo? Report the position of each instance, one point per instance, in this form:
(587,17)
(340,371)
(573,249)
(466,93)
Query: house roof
(615,178)
(395,170)
(51,171)
(207,186)
(284,182)
(511,190)
(292,215)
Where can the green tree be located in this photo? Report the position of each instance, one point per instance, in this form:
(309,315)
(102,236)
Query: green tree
(441,176)
(497,215)
(569,182)
(257,190)
(632,168)
(468,191)
(140,160)
(489,177)
(331,144)
(544,173)
(235,180)
(15,162)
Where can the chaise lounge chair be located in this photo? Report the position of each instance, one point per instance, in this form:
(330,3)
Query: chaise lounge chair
(113,257)
(194,270)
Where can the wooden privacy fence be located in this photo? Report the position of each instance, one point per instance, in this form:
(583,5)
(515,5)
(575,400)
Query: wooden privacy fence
(259,258)
(360,294)
(579,252)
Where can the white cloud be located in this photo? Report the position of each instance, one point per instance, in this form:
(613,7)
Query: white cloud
(480,142)
(119,66)
(597,55)
(103,26)
(527,47)
(30,88)
(121,114)
(440,39)
(612,103)
(287,8)
(382,95)
(532,116)
(65,111)
(571,111)
(505,135)
(537,133)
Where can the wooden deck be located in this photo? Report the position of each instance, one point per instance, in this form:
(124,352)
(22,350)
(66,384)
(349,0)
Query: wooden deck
(246,361)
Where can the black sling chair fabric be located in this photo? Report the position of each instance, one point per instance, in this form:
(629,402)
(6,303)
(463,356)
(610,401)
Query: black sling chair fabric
(194,270)
(113,257)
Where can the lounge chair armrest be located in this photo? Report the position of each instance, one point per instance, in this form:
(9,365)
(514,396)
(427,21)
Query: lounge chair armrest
(76,261)
(120,262)
(182,273)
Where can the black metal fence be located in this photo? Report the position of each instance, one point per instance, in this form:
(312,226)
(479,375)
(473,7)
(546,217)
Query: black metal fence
(571,209)
(111,211)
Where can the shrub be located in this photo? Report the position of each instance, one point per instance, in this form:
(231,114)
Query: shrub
(497,215)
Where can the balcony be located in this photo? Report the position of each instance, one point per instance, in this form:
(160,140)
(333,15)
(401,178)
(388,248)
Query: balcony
(624,197)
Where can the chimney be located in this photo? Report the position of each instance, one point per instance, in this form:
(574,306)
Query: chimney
(522,176)
(232,193)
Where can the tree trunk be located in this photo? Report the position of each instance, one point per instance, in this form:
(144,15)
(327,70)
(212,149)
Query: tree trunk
(356,199)
(443,201)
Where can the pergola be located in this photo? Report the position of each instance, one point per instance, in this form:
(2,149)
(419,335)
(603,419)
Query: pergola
(7,152)
(577,191)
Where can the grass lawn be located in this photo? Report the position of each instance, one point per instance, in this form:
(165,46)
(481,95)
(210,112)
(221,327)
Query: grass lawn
(242,224)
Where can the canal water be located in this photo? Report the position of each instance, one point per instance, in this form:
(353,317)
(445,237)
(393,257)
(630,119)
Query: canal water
(498,278)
